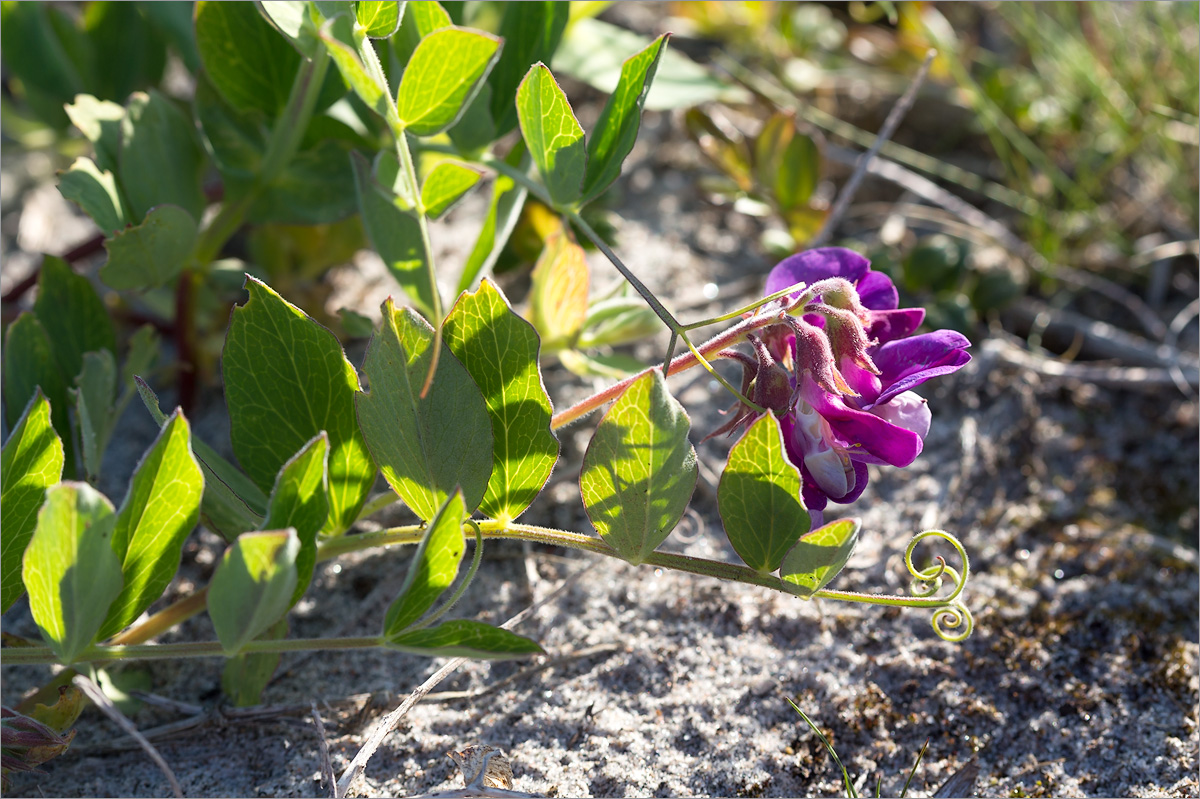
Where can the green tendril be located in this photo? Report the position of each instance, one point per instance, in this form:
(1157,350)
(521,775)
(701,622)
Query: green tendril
(951,619)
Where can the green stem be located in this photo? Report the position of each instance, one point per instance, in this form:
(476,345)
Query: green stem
(203,649)
(410,171)
(285,140)
(710,349)
(375,505)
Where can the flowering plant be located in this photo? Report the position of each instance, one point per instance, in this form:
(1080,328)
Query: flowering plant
(850,374)
(448,406)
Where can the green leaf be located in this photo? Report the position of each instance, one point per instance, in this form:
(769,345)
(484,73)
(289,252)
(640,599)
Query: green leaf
(29,364)
(639,469)
(558,300)
(232,504)
(73,316)
(100,121)
(292,19)
(160,509)
(504,211)
(820,554)
(426,447)
(531,32)
(69,568)
(141,354)
(759,497)
(31,462)
(316,185)
(287,379)
(174,22)
(446,184)
(499,350)
(36,55)
(127,53)
(421,18)
(348,54)
(245,676)
(433,568)
(250,64)
(151,254)
(593,51)
(395,234)
(787,162)
(95,392)
(161,161)
(380,18)
(445,71)
(300,500)
(552,134)
(475,129)
(95,192)
(464,638)
(617,129)
(252,586)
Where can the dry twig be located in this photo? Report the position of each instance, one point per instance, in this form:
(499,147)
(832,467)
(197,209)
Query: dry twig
(885,133)
(389,722)
(93,692)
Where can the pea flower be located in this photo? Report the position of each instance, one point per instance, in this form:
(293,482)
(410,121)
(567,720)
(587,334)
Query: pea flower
(852,362)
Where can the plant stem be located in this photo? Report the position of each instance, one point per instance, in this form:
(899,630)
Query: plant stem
(202,649)
(404,154)
(710,349)
(285,140)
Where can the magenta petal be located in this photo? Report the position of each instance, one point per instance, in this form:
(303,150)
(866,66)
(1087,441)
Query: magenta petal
(878,292)
(868,437)
(888,326)
(907,363)
(812,265)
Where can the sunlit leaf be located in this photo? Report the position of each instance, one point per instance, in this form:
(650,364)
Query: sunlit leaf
(616,130)
(553,135)
(445,71)
(558,301)
(500,351)
(426,447)
(820,554)
(69,568)
(759,497)
(433,569)
(465,638)
(379,18)
(639,469)
(31,462)
(287,379)
(161,507)
(447,183)
(252,586)
(300,500)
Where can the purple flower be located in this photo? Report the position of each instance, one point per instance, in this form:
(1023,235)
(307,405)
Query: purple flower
(847,410)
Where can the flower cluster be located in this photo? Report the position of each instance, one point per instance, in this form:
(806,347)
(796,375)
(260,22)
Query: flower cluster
(840,372)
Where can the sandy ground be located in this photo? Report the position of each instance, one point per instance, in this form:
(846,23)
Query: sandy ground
(1080,678)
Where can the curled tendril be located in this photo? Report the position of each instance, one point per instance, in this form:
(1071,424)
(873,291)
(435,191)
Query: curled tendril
(953,623)
(928,581)
(951,619)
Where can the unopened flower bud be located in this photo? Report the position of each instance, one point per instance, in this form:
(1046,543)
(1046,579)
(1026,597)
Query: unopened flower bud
(772,386)
(814,355)
(847,337)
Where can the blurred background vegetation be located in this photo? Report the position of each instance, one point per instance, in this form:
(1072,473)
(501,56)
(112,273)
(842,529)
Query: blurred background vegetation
(1044,181)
